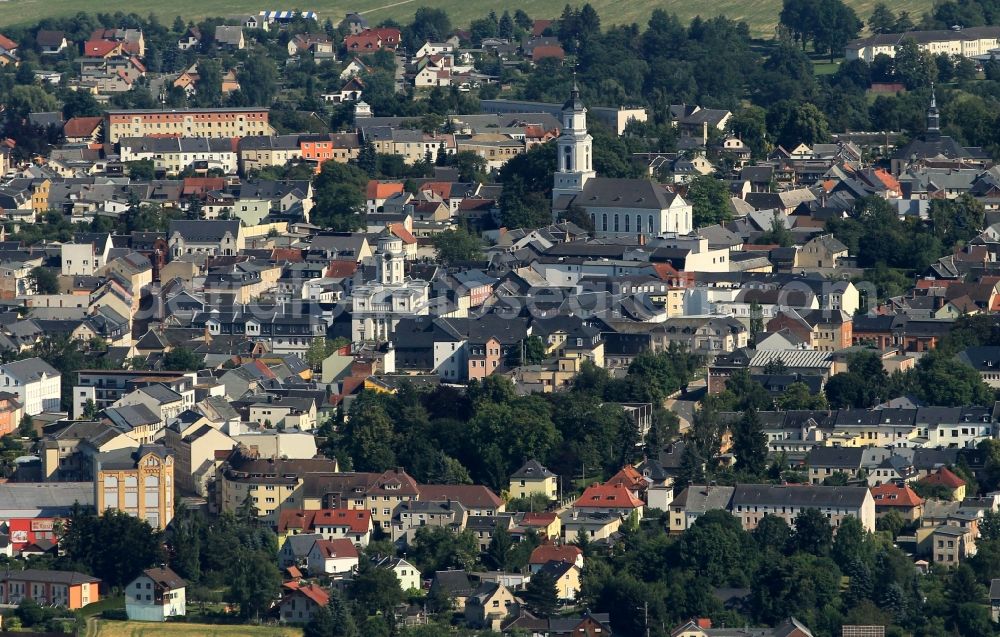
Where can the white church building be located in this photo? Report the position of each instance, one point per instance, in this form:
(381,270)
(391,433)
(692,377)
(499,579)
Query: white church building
(377,306)
(618,207)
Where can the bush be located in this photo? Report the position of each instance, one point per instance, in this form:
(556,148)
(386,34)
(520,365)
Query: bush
(117,614)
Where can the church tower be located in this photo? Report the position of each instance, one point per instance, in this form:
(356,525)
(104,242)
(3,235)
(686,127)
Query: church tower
(574,149)
(933,119)
(389,260)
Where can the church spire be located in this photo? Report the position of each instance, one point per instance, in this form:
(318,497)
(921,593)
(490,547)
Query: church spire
(933,117)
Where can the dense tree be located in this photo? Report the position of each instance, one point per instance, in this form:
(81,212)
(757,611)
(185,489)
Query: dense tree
(254,582)
(882,19)
(114,547)
(258,82)
(339,196)
(43,280)
(709,199)
(457,245)
(541,595)
(794,123)
(182,359)
(750,443)
(812,532)
(369,434)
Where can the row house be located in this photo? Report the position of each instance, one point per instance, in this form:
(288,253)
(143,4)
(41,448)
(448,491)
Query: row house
(174,155)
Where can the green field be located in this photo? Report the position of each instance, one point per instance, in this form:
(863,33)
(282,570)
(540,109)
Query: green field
(762,15)
(107,628)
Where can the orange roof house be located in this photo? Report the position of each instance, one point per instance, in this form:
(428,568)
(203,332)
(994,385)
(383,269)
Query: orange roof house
(82,128)
(101,49)
(898,497)
(543,51)
(946,478)
(556,553)
(611,497)
(630,479)
(382,190)
(7,44)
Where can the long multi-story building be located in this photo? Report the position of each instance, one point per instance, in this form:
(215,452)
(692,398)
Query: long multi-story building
(187,122)
(970,42)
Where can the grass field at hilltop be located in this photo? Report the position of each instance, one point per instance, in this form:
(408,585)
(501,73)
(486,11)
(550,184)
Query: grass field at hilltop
(762,15)
(107,628)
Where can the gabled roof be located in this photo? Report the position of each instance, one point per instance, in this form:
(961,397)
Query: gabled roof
(896,495)
(604,496)
(471,496)
(336,549)
(945,477)
(555,553)
(532,470)
(165,578)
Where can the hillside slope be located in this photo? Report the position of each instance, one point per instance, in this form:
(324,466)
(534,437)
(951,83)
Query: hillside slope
(762,15)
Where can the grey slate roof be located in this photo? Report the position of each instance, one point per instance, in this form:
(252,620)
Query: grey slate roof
(29,369)
(608,192)
(799,495)
(203,230)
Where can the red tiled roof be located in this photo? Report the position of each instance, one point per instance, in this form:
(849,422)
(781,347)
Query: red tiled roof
(887,179)
(293,572)
(555,553)
(607,496)
(7,43)
(295,519)
(944,476)
(337,548)
(99,48)
(81,126)
(539,26)
(341,268)
(393,482)
(440,188)
(896,495)
(538,519)
(293,255)
(629,477)
(356,520)
(468,495)
(401,232)
(315,593)
(547,51)
(383,189)
(194,185)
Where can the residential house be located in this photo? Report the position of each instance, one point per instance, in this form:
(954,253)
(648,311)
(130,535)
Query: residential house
(952,544)
(488,606)
(332,557)
(155,595)
(300,602)
(332,524)
(34,383)
(406,573)
(824,462)
(545,553)
(51,42)
(533,478)
(614,499)
(823,251)
(566,576)
(230,37)
(68,589)
(898,497)
(696,500)
(948,481)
